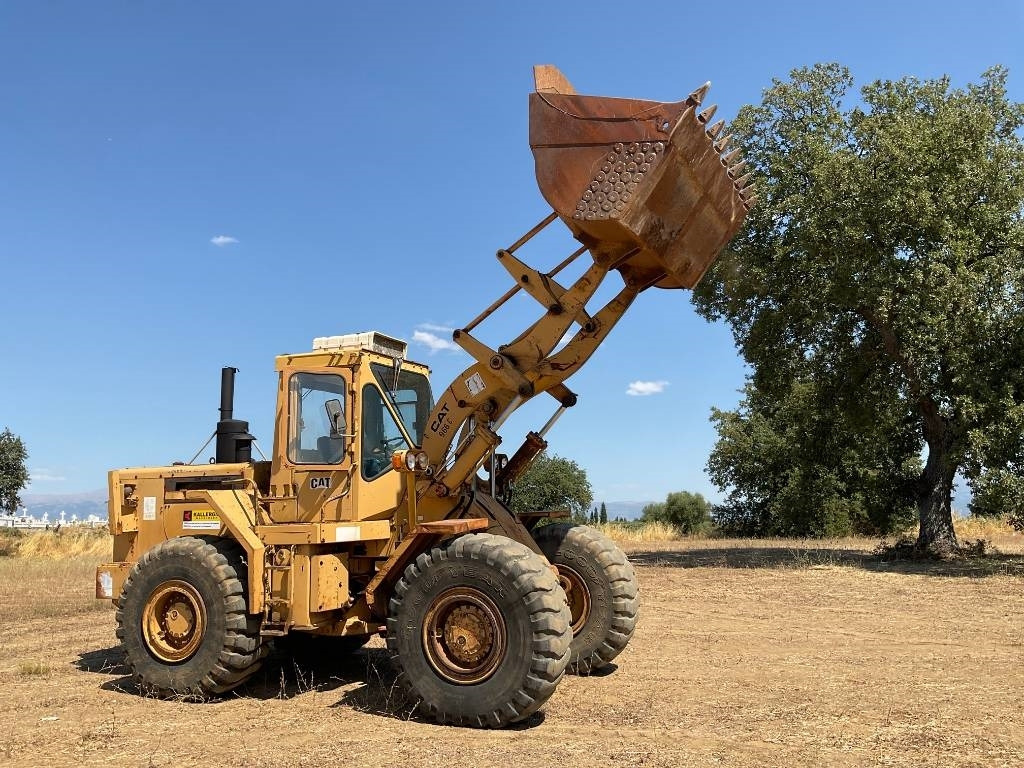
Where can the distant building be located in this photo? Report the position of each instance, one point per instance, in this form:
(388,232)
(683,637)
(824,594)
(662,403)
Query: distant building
(26,521)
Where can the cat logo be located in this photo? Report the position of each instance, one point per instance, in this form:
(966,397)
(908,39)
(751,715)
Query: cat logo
(319,482)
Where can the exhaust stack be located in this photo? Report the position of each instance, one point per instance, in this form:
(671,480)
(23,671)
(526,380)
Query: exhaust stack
(234,443)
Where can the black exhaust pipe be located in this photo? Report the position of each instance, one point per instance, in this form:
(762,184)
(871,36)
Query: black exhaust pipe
(234,443)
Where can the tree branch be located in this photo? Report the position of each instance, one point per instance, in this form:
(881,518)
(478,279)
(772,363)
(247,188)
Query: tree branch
(935,425)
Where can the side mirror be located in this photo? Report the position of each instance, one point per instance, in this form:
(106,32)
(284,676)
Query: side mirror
(335,417)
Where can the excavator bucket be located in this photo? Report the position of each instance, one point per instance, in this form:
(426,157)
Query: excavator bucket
(647,186)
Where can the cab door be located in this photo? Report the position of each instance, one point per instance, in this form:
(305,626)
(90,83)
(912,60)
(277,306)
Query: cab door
(320,446)
(380,489)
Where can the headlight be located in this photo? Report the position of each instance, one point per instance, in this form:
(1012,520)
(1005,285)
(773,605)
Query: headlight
(398,461)
(410,461)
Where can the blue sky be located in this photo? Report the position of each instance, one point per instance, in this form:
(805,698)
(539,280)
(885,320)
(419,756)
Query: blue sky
(364,164)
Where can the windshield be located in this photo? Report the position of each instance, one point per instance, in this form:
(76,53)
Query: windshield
(410,396)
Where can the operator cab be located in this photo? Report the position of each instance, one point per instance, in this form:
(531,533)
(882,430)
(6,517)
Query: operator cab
(395,402)
(344,408)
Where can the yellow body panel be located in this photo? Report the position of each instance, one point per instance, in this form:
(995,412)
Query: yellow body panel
(329,581)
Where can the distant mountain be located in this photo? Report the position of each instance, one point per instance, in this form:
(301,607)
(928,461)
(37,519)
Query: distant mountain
(79,504)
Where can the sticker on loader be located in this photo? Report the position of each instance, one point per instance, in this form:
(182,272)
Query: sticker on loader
(200,520)
(475,384)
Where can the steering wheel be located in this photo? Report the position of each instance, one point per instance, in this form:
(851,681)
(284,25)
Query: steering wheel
(388,444)
(379,458)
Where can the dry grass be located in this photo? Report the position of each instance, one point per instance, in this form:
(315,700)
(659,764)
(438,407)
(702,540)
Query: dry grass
(636,536)
(43,588)
(993,529)
(56,545)
(50,574)
(33,668)
(641,532)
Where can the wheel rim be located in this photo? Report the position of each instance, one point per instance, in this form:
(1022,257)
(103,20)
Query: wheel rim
(577,596)
(174,621)
(464,636)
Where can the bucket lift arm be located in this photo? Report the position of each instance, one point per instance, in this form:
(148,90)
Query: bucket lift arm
(651,193)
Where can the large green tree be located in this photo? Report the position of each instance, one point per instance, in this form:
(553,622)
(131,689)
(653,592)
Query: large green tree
(797,464)
(887,249)
(552,483)
(13,473)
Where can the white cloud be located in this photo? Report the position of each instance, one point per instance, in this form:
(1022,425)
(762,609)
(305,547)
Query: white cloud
(434,342)
(644,388)
(43,475)
(222,240)
(435,328)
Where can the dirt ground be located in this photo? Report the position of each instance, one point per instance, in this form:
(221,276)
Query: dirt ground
(747,654)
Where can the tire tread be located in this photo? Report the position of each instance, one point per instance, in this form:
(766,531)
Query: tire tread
(548,615)
(622,583)
(243,650)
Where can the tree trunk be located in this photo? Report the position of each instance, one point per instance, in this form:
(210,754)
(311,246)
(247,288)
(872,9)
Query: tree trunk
(935,497)
(935,486)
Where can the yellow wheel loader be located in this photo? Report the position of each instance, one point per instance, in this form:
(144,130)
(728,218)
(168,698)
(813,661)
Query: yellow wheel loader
(380,511)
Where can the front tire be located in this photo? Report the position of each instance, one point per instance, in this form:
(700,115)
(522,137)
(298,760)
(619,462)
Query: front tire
(182,619)
(601,588)
(479,630)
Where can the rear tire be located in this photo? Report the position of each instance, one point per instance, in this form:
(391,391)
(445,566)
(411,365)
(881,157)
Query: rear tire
(479,630)
(182,619)
(600,584)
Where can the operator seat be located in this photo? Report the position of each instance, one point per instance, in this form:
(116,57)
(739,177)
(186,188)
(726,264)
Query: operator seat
(331,449)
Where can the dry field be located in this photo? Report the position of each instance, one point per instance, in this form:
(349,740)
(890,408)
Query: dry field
(748,653)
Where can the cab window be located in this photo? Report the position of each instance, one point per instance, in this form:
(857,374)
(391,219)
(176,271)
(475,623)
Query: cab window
(381,436)
(410,394)
(318,419)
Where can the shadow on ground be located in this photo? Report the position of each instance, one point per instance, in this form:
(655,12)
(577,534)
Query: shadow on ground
(776,556)
(367,676)
(106,661)
(281,676)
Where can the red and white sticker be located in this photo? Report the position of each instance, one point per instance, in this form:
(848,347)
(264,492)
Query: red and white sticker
(200,520)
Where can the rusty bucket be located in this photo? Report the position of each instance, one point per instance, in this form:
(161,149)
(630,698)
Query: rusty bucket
(646,185)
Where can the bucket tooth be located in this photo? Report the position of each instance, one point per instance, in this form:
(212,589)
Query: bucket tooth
(749,202)
(722,143)
(742,181)
(735,170)
(749,192)
(707,114)
(698,95)
(728,157)
(716,129)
